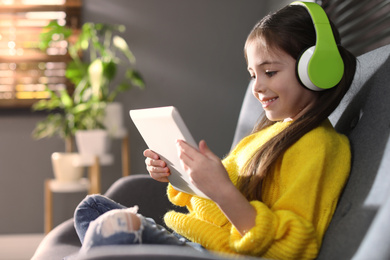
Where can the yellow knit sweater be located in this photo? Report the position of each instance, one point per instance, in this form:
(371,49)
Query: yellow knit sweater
(299,198)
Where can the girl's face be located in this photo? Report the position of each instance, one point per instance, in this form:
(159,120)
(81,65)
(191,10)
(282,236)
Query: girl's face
(275,84)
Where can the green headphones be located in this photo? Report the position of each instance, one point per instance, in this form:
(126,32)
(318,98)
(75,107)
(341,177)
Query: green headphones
(320,67)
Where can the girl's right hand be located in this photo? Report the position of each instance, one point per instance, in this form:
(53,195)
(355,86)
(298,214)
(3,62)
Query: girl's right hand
(157,168)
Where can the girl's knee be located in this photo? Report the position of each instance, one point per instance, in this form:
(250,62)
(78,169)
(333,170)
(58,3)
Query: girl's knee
(94,200)
(89,202)
(97,203)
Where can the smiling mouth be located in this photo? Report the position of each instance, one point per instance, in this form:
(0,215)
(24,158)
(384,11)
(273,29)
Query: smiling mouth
(268,102)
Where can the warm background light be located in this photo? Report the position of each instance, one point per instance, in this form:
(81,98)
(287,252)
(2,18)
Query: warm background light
(25,70)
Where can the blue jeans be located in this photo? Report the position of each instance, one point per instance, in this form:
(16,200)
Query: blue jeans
(92,207)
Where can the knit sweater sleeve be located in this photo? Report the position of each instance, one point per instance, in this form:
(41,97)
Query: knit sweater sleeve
(178,198)
(299,199)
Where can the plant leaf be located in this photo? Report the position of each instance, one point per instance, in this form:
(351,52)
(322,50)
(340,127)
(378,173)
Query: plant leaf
(135,78)
(50,126)
(109,70)
(48,104)
(76,71)
(81,108)
(53,32)
(121,44)
(66,99)
(95,72)
(80,89)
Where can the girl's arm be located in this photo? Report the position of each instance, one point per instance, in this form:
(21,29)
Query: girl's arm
(207,173)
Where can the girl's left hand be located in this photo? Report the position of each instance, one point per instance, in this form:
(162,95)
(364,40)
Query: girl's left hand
(205,169)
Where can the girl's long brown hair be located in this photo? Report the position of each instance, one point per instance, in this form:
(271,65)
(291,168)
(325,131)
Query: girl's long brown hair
(290,29)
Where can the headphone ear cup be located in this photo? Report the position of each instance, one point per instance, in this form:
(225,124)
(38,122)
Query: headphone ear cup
(303,63)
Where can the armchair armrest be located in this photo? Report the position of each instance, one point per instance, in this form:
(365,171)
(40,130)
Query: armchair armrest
(157,252)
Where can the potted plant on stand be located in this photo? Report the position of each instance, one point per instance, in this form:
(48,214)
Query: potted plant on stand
(85,108)
(104,51)
(67,114)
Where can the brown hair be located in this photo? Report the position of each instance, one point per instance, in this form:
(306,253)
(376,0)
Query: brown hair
(291,30)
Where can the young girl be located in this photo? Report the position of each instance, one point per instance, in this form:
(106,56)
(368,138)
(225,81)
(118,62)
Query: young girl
(275,193)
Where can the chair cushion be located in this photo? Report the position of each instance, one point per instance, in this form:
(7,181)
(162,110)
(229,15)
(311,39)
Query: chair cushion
(250,113)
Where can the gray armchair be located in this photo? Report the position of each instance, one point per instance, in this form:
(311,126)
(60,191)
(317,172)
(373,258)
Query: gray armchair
(360,228)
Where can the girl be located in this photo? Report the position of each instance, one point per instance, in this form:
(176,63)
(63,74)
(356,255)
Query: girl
(275,193)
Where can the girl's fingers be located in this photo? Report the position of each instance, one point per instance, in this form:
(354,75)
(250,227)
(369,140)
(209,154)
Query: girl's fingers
(186,148)
(153,169)
(157,168)
(160,177)
(156,163)
(150,154)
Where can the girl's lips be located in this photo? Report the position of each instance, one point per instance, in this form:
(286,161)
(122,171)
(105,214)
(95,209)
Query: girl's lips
(266,102)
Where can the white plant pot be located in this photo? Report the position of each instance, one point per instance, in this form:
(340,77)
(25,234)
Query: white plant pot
(113,120)
(64,167)
(92,142)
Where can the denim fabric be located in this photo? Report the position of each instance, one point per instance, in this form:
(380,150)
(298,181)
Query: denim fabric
(92,207)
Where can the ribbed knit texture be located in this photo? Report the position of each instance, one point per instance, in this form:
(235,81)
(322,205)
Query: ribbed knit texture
(298,198)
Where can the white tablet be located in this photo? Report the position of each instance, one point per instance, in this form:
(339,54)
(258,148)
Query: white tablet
(160,128)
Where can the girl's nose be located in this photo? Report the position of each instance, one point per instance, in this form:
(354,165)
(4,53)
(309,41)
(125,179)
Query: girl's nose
(257,85)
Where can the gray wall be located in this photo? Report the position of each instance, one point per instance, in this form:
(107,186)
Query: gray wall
(190,54)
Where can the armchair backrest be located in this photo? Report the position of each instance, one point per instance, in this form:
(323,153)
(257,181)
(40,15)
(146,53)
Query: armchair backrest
(364,116)
(250,113)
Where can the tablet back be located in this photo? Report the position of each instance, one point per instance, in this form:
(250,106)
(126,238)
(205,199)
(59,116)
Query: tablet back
(160,128)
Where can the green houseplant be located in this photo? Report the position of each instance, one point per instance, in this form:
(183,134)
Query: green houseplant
(95,57)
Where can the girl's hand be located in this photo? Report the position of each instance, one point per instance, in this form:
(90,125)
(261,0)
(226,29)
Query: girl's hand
(205,169)
(209,175)
(157,168)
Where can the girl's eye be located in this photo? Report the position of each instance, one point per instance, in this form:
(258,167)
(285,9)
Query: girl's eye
(270,73)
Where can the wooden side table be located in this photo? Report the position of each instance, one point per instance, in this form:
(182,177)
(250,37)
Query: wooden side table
(125,155)
(60,187)
(92,184)
(123,134)
(93,163)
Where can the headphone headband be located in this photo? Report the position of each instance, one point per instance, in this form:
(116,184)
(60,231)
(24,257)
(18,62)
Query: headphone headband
(321,66)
